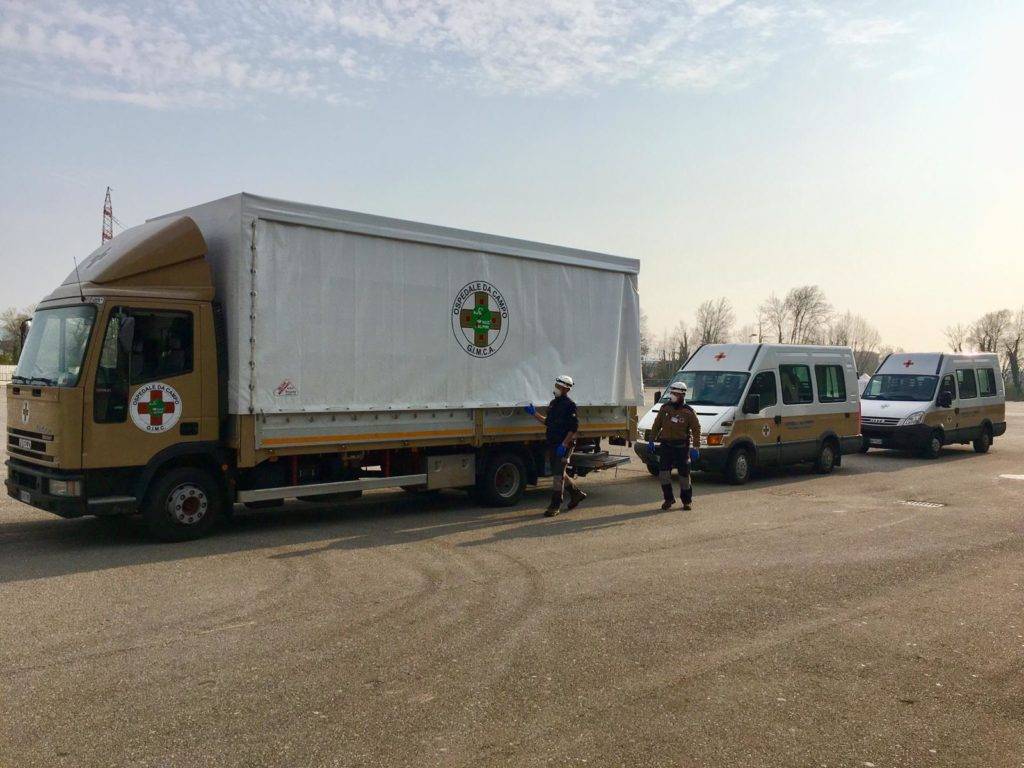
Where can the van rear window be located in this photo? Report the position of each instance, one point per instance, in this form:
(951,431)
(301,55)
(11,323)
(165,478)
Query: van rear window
(796,384)
(831,383)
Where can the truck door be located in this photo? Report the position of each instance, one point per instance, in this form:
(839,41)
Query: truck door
(146,394)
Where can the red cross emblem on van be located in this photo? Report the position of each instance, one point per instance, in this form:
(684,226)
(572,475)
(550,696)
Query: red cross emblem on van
(908,363)
(720,356)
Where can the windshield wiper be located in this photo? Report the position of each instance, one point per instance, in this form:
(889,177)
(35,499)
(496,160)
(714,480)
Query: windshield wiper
(34,380)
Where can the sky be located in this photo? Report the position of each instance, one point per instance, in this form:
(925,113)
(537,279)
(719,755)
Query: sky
(735,147)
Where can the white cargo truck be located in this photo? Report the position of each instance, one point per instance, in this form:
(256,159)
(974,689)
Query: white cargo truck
(253,350)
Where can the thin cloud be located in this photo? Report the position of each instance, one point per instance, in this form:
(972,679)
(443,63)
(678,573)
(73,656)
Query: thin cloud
(162,56)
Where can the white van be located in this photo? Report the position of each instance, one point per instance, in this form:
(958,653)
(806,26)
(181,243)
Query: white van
(768,405)
(923,401)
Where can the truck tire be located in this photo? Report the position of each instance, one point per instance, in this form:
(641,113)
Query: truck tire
(503,480)
(933,447)
(825,462)
(182,504)
(737,468)
(983,441)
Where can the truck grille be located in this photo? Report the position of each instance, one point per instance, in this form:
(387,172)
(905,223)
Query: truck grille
(879,421)
(21,442)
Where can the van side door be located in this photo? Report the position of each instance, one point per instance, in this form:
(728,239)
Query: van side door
(968,409)
(798,438)
(762,428)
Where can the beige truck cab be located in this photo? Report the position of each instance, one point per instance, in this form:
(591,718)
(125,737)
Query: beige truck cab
(763,405)
(922,401)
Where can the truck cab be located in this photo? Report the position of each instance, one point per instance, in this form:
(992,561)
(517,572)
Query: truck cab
(118,377)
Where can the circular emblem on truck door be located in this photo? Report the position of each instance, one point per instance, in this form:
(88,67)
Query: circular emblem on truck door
(155,407)
(480,319)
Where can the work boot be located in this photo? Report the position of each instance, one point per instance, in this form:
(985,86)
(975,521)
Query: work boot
(555,506)
(687,494)
(666,490)
(575,497)
(687,506)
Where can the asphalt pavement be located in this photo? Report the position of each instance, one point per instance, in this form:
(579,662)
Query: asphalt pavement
(873,617)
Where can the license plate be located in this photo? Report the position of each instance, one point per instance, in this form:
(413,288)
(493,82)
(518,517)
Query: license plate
(23,443)
(25,496)
(875,441)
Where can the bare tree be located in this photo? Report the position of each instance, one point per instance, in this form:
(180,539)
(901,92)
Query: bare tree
(11,320)
(1013,346)
(851,330)
(988,332)
(809,312)
(681,340)
(714,321)
(773,318)
(957,335)
(646,342)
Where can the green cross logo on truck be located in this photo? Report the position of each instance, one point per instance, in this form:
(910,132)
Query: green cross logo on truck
(480,319)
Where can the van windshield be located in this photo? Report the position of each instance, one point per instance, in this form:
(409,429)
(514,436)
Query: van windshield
(711,387)
(900,386)
(55,346)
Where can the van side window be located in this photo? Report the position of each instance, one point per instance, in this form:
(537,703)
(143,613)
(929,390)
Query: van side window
(968,384)
(764,387)
(158,346)
(831,383)
(987,382)
(948,385)
(796,384)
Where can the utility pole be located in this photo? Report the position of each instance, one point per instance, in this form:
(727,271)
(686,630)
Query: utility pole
(108,218)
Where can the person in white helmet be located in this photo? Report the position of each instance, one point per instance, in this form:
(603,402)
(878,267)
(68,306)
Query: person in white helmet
(678,428)
(562,424)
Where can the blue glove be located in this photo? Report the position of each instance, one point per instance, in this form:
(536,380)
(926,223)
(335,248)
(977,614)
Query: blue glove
(530,409)
(650,446)
(694,454)
(560,451)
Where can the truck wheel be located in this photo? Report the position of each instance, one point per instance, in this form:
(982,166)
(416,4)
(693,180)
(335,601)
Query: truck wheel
(503,480)
(183,504)
(737,469)
(826,460)
(933,447)
(983,441)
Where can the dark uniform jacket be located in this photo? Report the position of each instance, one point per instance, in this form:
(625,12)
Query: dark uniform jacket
(561,419)
(676,423)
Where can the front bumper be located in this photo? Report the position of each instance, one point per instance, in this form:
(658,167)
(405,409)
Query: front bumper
(30,485)
(711,459)
(899,438)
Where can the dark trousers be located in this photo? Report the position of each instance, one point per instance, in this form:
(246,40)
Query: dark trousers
(675,455)
(559,480)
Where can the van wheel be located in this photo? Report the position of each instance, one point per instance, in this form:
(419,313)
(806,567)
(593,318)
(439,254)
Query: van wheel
(826,460)
(737,469)
(183,504)
(933,447)
(984,441)
(503,480)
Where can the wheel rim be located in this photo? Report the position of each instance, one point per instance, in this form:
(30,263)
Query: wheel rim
(827,456)
(742,468)
(506,480)
(936,445)
(187,504)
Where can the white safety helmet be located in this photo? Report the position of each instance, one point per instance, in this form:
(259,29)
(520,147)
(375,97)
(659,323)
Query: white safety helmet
(678,388)
(564,381)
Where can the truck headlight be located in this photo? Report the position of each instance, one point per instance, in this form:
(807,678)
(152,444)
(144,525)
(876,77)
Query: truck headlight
(915,418)
(66,487)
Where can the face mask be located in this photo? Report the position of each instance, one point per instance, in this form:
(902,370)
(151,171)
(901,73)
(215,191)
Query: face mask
(676,398)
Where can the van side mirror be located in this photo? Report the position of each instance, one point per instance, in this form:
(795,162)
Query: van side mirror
(657,395)
(752,404)
(126,334)
(945,399)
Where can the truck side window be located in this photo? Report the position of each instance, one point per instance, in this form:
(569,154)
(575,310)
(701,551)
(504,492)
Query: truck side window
(987,382)
(968,384)
(796,384)
(763,386)
(831,383)
(160,347)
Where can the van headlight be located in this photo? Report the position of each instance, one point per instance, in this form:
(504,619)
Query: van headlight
(66,487)
(912,419)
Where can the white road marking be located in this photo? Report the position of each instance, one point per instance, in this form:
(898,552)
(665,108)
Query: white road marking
(1012,477)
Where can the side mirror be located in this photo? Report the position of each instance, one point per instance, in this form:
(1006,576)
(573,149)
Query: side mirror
(657,395)
(126,334)
(945,399)
(752,404)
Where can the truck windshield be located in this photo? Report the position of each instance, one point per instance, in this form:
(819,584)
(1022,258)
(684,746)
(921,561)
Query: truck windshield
(56,346)
(711,387)
(900,386)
